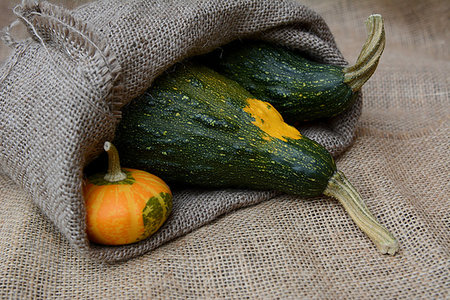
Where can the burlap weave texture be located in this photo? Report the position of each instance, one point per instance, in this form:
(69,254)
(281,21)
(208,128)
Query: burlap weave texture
(63,89)
(289,248)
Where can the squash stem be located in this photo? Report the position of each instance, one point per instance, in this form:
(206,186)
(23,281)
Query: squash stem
(114,173)
(356,75)
(340,188)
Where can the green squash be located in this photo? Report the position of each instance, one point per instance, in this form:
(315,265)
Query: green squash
(197,127)
(299,88)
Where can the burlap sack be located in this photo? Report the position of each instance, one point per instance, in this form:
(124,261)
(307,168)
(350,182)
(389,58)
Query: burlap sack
(62,90)
(287,247)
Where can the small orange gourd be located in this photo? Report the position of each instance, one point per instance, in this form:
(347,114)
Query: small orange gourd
(124,206)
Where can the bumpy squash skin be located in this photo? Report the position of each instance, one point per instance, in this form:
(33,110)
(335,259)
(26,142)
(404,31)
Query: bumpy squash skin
(300,89)
(197,127)
(192,127)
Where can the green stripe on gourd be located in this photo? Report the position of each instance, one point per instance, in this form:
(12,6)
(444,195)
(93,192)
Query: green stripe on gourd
(155,212)
(299,88)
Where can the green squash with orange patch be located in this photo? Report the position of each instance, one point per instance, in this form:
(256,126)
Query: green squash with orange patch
(195,126)
(198,127)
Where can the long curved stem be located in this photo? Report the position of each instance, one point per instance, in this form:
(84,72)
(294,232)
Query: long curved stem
(114,173)
(340,188)
(367,62)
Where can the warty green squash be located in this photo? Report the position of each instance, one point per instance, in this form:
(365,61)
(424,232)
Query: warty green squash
(197,127)
(299,88)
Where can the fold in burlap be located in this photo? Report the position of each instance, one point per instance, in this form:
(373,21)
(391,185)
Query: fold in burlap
(61,94)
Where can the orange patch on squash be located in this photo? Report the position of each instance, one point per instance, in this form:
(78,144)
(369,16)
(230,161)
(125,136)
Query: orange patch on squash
(269,120)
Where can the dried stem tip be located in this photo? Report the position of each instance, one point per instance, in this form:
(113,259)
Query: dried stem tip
(115,172)
(340,188)
(356,75)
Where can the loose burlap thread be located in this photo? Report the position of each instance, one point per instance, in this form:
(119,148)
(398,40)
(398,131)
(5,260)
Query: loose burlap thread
(285,247)
(62,92)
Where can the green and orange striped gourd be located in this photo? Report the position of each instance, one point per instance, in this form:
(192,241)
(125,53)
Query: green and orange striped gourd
(124,206)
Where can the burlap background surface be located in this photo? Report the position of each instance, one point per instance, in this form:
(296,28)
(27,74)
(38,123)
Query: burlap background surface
(288,247)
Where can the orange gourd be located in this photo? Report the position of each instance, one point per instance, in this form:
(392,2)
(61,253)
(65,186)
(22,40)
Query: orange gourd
(124,206)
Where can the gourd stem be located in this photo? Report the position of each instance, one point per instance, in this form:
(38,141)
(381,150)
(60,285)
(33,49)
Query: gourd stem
(340,188)
(115,172)
(356,75)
